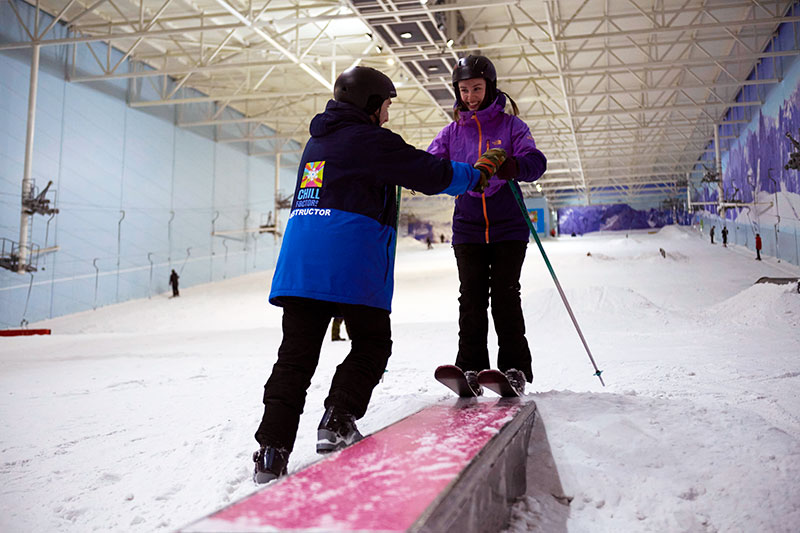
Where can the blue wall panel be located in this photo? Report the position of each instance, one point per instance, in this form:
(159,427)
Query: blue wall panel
(193,182)
(107,159)
(230,197)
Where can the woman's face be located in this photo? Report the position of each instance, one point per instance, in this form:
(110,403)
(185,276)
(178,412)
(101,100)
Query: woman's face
(472,92)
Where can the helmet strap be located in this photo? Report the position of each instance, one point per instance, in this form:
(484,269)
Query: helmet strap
(491,94)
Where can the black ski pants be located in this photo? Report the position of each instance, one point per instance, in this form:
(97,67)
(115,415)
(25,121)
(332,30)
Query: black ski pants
(305,323)
(491,271)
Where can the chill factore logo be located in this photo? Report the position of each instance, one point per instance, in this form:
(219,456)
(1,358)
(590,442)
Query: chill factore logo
(312,174)
(308,195)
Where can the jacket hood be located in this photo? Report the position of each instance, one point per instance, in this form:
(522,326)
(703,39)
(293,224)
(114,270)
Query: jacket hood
(337,115)
(495,108)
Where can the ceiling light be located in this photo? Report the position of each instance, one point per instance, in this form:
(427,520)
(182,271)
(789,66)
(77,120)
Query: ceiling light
(389,61)
(449,43)
(406,35)
(423,2)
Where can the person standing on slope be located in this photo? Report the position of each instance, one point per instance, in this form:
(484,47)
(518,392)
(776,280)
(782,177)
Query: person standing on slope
(337,259)
(173,282)
(490,235)
(758,246)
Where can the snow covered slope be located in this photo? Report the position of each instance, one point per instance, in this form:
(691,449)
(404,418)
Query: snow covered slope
(139,417)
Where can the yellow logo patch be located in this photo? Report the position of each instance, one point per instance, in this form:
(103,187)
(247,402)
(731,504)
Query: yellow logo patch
(312,174)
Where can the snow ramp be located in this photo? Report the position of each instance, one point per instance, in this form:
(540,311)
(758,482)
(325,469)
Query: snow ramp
(448,467)
(779,281)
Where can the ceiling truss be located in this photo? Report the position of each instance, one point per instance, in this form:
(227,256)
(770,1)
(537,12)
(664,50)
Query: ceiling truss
(622,96)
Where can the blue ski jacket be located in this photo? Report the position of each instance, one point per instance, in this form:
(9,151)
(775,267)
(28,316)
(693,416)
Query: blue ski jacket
(342,229)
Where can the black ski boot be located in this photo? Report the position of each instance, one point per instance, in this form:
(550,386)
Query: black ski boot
(516,378)
(336,430)
(472,380)
(270,464)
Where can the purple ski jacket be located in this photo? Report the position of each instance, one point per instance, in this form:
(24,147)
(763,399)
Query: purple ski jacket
(493,215)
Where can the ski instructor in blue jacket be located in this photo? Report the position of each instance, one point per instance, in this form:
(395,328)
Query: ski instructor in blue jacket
(337,259)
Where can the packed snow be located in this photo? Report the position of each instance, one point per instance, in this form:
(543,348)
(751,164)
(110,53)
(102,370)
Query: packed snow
(139,417)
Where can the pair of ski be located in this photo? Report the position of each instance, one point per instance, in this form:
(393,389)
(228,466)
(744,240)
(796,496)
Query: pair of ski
(453,378)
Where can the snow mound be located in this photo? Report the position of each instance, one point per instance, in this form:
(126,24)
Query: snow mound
(629,441)
(213,301)
(600,257)
(675,232)
(647,256)
(762,305)
(656,257)
(608,301)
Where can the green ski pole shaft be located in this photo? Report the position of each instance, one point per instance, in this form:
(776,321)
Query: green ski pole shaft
(521,203)
(398,196)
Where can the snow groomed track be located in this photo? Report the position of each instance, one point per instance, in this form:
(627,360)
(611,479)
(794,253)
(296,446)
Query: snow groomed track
(451,467)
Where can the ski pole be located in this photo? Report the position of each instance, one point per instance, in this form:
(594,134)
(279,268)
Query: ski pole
(398,197)
(521,203)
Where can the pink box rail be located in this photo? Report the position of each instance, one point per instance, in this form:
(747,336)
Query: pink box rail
(383,483)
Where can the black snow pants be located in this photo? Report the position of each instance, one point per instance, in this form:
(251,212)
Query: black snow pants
(305,323)
(491,271)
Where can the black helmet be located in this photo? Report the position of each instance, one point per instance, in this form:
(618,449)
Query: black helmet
(471,67)
(474,67)
(364,87)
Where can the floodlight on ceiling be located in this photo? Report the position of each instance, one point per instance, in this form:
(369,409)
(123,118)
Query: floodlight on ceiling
(449,43)
(406,35)
(390,61)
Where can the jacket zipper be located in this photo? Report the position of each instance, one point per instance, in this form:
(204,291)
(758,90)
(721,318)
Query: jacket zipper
(483,195)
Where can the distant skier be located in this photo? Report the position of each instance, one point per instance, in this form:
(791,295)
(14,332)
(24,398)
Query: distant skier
(712,234)
(428,242)
(173,281)
(336,260)
(758,246)
(725,236)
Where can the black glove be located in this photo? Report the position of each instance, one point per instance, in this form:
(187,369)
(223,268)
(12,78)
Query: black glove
(508,170)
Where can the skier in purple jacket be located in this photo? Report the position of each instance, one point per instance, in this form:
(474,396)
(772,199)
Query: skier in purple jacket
(490,235)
